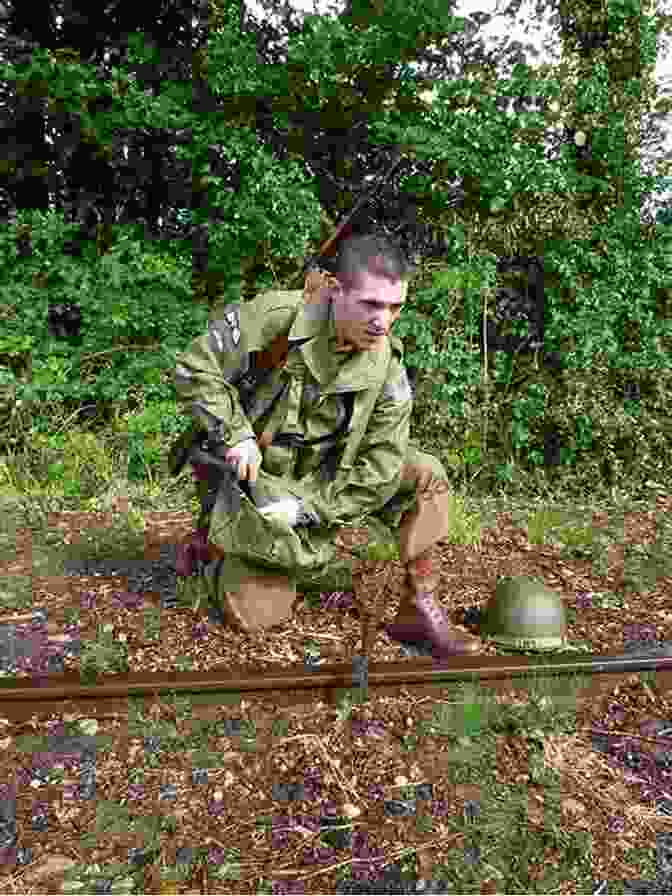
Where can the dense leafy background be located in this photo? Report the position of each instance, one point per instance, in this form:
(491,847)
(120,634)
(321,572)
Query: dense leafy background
(238,158)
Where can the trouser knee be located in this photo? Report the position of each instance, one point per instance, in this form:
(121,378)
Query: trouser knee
(419,471)
(420,468)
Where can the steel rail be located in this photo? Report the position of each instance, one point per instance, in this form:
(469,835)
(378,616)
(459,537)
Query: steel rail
(68,686)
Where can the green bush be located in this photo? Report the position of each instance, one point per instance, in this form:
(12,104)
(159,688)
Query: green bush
(147,431)
(137,313)
(490,436)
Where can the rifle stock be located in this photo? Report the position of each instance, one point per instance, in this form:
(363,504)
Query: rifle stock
(345,228)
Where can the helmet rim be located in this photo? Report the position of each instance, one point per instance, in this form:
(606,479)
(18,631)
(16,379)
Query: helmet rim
(504,620)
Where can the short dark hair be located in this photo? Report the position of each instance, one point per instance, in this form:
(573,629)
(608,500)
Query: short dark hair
(375,253)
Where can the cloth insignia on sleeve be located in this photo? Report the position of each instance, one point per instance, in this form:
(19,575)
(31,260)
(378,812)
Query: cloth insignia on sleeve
(233,321)
(225,334)
(399,389)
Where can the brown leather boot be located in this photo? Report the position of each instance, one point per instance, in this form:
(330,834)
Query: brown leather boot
(420,618)
(192,551)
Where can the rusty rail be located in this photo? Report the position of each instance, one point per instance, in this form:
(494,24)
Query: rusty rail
(427,671)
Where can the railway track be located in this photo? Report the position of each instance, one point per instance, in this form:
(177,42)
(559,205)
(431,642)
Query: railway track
(22,697)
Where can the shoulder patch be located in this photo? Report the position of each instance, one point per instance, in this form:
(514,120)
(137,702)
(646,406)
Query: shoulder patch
(398,389)
(225,331)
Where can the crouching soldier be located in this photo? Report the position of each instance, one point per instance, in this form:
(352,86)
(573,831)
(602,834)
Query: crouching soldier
(310,403)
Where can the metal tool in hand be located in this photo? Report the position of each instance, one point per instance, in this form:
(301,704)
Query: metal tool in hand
(225,482)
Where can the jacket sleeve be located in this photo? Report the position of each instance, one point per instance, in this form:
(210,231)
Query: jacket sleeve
(207,373)
(376,473)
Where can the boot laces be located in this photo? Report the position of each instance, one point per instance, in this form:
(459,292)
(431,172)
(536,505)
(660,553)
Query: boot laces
(427,602)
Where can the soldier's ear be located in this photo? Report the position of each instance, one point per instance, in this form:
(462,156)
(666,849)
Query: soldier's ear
(336,291)
(335,283)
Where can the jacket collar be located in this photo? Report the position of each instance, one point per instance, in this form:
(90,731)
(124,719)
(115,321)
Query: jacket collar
(314,333)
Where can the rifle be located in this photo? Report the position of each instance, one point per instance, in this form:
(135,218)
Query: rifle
(199,449)
(344,229)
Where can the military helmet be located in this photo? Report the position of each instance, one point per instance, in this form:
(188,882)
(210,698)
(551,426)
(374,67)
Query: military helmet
(524,613)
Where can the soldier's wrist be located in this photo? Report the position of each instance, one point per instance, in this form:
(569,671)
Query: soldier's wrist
(235,437)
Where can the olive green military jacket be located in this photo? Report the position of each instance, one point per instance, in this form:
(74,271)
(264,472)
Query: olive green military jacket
(307,396)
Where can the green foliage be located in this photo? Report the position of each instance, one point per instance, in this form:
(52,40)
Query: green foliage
(270,192)
(136,308)
(145,433)
(137,304)
(105,655)
(377,552)
(441,316)
(162,417)
(73,463)
(664,216)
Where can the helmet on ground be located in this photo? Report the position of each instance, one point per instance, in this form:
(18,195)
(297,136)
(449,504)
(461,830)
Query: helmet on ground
(524,613)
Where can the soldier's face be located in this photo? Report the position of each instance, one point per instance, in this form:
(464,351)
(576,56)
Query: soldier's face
(366,311)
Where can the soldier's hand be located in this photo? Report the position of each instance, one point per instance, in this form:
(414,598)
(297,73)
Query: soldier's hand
(245,458)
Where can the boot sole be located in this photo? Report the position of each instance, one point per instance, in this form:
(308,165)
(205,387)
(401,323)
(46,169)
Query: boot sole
(418,636)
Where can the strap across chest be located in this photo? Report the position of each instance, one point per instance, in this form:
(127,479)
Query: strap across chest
(262,365)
